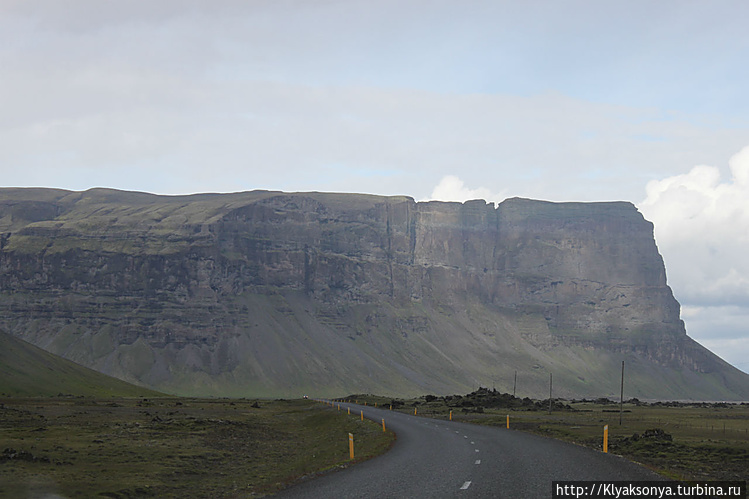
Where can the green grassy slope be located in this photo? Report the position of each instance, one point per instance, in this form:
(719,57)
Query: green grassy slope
(28,371)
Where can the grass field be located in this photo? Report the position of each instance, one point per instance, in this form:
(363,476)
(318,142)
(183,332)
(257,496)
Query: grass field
(180,447)
(172,447)
(697,441)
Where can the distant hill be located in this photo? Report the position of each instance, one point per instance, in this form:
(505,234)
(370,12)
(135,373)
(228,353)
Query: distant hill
(278,294)
(29,371)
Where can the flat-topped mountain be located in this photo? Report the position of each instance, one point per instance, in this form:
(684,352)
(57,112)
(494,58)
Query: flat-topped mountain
(279,294)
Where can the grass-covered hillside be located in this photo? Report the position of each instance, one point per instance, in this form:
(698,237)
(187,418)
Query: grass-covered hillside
(29,371)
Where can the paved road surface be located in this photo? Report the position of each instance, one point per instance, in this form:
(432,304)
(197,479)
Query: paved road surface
(435,459)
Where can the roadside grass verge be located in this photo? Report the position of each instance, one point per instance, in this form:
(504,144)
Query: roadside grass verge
(681,441)
(172,447)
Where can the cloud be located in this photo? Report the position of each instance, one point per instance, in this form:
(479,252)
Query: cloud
(451,188)
(175,97)
(702,230)
(202,134)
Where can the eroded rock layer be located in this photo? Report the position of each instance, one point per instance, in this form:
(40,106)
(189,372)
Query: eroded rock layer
(278,294)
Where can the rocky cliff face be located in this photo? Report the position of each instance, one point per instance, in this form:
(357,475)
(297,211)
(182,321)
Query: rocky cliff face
(269,293)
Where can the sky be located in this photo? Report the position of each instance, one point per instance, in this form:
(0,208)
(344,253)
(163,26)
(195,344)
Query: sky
(558,100)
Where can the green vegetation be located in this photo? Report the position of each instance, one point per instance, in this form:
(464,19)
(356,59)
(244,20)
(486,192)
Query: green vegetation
(28,371)
(689,441)
(172,447)
(69,430)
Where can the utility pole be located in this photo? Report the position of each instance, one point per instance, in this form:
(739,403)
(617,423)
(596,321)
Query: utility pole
(515,385)
(621,397)
(549,393)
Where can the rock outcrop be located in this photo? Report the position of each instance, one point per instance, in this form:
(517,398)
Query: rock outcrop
(278,294)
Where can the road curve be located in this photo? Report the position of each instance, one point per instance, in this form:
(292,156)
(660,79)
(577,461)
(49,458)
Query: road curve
(434,458)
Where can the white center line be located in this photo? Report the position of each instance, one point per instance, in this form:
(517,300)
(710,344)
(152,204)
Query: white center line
(465,436)
(465,485)
(473,442)
(477,450)
(478,461)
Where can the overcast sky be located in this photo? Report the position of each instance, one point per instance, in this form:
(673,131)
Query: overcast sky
(560,100)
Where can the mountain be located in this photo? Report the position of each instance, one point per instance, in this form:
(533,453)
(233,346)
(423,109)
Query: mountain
(279,294)
(29,371)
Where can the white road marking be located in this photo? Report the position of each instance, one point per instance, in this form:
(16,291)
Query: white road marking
(465,436)
(477,450)
(478,461)
(473,442)
(465,485)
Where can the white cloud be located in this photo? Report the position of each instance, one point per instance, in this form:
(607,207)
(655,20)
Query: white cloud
(702,230)
(451,188)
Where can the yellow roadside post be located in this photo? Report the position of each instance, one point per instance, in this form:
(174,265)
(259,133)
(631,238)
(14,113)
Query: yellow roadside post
(606,438)
(451,415)
(349,411)
(414,411)
(383,425)
(362,415)
(391,407)
(508,421)
(339,407)
(351,446)
(375,404)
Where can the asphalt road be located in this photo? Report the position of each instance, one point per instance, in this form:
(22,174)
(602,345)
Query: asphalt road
(435,459)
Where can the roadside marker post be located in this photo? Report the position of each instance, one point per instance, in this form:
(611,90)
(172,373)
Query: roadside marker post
(451,415)
(383,425)
(606,439)
(362,415)
(508,421)
(621,397)
(351,446)
(414,411)
(349,411)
